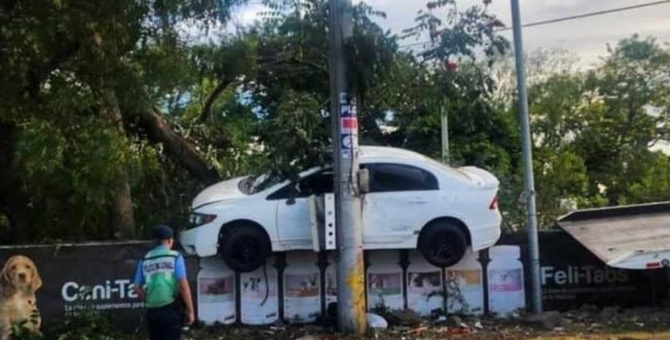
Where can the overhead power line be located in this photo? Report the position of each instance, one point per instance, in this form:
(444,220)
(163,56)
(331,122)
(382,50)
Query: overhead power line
(586,15)
(567,18)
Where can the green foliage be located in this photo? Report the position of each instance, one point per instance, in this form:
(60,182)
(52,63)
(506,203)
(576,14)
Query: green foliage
(82,83)
(84,326)
(295,137)
(292,88)
(67,65)
(593,131)
(458,34)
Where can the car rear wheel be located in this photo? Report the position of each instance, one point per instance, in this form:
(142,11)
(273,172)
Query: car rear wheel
(442,244)
(244,248)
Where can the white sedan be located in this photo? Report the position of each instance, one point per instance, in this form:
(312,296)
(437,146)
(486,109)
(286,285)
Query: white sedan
(413,202)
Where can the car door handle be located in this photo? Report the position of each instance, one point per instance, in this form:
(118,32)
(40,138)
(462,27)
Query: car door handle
(418,201)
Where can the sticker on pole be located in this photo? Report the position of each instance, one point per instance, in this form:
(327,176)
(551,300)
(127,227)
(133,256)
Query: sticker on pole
(347,111)
(344,98)
(347,142)
(349,125)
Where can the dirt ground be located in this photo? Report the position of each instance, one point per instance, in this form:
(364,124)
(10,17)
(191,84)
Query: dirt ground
(585,323)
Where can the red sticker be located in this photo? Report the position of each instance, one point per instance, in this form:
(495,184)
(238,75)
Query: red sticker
(349,124)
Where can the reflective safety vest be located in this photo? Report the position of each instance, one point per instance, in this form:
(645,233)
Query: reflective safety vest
(159,267)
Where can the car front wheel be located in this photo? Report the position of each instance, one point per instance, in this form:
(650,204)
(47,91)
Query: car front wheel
(244,248)
(442,244)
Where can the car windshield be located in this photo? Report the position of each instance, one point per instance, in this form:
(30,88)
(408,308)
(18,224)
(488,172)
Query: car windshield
(262,182)
(255,184)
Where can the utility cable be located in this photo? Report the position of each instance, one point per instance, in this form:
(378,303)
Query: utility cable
(591,14)
(571,17)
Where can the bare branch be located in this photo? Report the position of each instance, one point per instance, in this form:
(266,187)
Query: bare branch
(206,112)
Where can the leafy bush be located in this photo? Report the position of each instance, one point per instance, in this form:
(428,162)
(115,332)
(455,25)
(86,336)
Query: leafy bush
(88,325)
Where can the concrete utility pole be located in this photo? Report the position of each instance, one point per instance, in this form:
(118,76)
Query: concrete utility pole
(527,160)
(350,265)
(445,134)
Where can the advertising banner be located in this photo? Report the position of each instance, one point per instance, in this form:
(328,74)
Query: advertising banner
(572,276)
(84,277)
(70,279)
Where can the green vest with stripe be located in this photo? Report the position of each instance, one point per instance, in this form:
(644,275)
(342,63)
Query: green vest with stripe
(161,286)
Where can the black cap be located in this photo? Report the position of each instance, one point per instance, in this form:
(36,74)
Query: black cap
(162,232)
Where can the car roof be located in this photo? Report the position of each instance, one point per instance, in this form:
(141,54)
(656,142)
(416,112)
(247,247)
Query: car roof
(370,151)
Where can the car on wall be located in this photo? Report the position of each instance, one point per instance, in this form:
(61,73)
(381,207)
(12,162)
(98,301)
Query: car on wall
(413,202)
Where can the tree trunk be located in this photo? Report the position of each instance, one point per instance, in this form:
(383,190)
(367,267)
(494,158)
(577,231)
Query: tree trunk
(122,217)
(176,146)
(13,202)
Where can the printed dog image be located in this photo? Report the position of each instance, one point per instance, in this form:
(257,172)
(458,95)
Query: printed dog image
(19,280)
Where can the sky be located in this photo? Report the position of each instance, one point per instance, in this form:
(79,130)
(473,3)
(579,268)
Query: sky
(586,38)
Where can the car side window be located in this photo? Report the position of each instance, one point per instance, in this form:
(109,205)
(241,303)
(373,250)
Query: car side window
(315,184)
(318,184)
(388,177)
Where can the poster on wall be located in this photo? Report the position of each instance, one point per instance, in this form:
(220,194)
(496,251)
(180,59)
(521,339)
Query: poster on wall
(424,285)
(68,280)
(216,292)
(465,288)
(259,300)
(505,280)
(465,291)
(384,280)
(302,287)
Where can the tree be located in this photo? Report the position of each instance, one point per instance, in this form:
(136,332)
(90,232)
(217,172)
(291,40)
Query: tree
(593,131)
(291,90)
(453,73)
(112,119)
(628,114)
(88,77)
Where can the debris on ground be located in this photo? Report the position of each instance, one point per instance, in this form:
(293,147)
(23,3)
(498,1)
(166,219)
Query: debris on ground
(587,322)
(376,321)
(548,320)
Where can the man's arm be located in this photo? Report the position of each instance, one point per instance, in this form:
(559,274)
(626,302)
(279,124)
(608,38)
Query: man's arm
(138,285)
(184,288)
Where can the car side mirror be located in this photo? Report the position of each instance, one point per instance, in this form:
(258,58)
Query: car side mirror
(293,192)
(363,181)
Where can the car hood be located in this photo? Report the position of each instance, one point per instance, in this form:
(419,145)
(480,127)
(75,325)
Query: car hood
(225,190)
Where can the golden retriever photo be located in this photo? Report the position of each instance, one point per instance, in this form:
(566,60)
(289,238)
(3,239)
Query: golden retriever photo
(19,280)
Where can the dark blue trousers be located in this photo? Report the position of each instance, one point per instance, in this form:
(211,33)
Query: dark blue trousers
(164,323)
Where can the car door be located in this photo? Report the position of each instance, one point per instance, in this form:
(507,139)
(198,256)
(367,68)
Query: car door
(400,201)
(292,209)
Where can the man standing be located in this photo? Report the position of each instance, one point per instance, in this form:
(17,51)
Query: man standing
(161,281)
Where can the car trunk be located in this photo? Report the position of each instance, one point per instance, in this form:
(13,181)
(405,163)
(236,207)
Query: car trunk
(480,177)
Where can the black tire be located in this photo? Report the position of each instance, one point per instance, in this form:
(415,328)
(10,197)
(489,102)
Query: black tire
(244,248)
(442,244)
